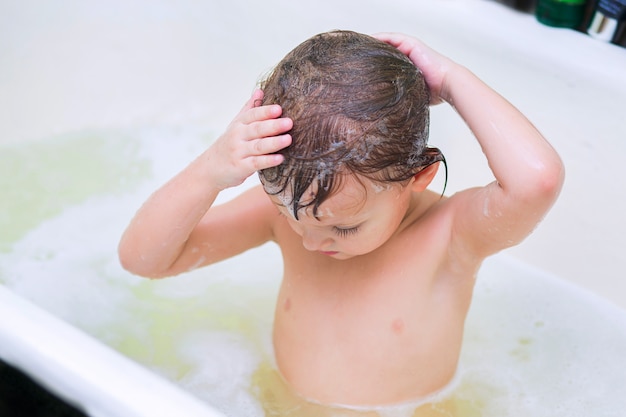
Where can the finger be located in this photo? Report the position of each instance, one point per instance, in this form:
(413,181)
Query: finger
(267,128)
(257,96)
(270,145)
(383,36)
(271,111)
(403,43)
(387,37)
(255,99)
(260,162)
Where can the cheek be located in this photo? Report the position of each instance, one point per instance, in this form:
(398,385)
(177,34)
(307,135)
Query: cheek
(385,228)
(295,226)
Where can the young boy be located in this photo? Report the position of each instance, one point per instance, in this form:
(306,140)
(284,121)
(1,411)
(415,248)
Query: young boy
(378,270)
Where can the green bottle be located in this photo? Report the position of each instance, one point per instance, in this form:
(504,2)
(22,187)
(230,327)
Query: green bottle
(561,13)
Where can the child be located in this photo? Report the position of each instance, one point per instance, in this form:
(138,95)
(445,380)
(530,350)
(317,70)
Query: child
(378,270)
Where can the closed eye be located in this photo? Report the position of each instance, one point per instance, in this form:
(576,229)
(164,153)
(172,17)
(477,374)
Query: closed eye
(346,232)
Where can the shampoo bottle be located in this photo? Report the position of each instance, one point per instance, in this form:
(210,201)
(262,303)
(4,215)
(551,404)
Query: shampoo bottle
(561,13)
(606,19)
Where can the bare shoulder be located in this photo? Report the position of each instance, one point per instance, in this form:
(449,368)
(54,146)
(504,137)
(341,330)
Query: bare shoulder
(452,224)
(486,220)
(431,242)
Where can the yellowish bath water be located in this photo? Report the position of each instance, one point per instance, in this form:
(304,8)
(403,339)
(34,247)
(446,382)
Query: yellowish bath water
(534,346)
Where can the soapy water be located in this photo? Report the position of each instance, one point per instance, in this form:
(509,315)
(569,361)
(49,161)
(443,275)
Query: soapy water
(534,345)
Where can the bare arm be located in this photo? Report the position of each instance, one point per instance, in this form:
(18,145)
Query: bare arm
(529,173)
(177,229)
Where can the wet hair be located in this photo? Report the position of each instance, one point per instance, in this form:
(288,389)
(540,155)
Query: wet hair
(358,105)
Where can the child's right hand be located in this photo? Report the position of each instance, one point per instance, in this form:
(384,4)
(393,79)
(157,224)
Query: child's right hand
(248,143)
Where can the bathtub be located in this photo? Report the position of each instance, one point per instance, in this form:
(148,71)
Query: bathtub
(102,102)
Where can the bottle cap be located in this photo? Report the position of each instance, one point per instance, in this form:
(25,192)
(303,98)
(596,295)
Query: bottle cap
(602,27)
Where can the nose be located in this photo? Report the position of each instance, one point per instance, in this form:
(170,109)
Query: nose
(314,240)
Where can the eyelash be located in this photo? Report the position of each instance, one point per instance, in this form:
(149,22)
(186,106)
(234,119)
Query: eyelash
(339,231)
(346,232)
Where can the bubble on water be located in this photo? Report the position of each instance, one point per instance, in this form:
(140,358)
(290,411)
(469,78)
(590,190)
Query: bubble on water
(221,367)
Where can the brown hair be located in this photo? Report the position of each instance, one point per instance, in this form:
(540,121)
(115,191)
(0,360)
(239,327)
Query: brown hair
(358,105)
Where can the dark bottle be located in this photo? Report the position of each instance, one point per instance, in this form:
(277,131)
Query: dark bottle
(607,21)
(521,5)
(561,13)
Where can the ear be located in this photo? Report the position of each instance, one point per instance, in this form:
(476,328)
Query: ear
(422,179)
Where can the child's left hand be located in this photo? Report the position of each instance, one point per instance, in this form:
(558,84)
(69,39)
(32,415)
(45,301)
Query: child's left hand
(528,172)
(434,66)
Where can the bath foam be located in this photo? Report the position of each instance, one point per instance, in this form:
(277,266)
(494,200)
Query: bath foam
(560,345)
(77,166)
(221,367)
(534,345)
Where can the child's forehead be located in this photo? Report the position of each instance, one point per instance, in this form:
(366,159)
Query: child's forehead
(350,197)
(353,196)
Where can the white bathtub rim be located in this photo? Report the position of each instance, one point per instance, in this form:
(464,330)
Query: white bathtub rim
(82,370)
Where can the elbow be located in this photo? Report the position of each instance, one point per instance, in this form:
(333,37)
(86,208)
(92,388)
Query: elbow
(551,179)
(136,264)
(545,181)
(537,184)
